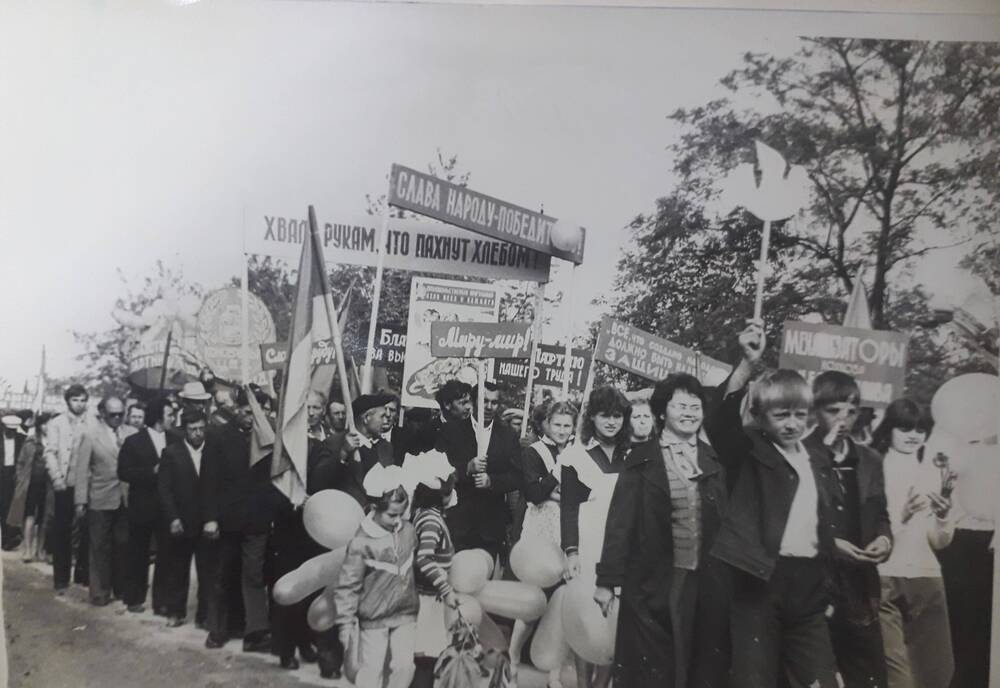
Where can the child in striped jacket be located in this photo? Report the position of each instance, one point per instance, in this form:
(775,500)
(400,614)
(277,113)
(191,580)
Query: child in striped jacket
(431,494)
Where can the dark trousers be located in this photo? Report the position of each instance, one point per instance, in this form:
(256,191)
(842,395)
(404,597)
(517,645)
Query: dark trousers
(140,537)
(290,547)
(108,535)
(329,649)
(855,631)
(779,627)
(177,576)
(967,567)
(81,550)
(233,550)
(61,541)
(8,480)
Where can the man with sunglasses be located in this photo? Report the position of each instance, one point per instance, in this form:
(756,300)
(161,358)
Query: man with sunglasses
(98,498)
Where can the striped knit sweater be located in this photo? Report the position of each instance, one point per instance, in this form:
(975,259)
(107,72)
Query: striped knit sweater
(434,553)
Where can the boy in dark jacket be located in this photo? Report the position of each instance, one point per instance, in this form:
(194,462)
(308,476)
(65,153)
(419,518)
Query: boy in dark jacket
(863,537)
(778,530)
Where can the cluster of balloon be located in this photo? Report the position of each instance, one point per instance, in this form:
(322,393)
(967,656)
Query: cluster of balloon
(549,648)
(332,517)
(537,561)
(965,407)
(589,633)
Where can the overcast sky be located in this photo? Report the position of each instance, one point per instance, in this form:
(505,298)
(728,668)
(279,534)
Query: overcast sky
(136,131)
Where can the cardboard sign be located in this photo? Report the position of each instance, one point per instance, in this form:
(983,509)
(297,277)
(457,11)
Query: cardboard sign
(452,302)
(875,358)
(481,339)
(410,245)
(644,354)
(427,195)
(548,368)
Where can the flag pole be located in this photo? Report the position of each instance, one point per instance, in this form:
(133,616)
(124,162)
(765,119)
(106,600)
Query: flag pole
(765,243)
(587,389)
(366,380)
(536,336)
(338,346)
(166,356)
(480,403)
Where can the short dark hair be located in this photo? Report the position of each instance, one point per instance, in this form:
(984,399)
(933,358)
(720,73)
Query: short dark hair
(76,390)
(137,405)
(834,387)
(902,414)
(490,386)
(193,415)
(427,497)
(609,400)
(665,389)
(450,391)
(155,409)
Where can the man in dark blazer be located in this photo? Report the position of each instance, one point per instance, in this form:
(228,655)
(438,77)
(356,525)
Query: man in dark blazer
(238,508)
(138,463)
(480,518)
(10,448)
(181,486)
(365,447)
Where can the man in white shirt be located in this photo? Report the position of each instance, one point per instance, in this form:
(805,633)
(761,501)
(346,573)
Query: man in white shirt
(180,486)
(64,432)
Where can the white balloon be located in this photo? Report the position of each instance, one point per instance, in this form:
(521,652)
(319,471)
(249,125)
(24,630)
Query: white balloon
(966,407)
(589,633)
(537,561)
(549,648)
(332,517)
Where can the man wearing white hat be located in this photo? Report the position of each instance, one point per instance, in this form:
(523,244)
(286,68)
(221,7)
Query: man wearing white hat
(9,451)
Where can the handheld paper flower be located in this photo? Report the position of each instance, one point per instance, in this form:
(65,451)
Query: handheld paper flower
(782,192)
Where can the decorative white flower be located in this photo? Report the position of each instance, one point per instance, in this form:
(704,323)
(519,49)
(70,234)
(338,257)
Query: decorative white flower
(783,190)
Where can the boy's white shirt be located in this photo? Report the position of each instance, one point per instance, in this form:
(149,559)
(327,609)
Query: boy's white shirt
(801,536)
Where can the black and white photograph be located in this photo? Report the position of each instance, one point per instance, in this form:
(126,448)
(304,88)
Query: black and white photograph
(499,345)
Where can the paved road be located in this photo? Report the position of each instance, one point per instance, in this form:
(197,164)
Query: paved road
(63,642)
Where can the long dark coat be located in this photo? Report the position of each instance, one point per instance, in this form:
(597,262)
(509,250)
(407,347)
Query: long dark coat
(638,557)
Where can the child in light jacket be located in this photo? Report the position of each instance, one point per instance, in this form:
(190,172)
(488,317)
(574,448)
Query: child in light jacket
(376,595)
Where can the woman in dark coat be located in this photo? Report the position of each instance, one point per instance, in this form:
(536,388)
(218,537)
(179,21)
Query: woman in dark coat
(673,623)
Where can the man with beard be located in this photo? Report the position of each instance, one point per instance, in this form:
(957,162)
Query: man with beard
(484,477)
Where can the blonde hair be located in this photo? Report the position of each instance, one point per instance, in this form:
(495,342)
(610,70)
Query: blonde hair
(780,389)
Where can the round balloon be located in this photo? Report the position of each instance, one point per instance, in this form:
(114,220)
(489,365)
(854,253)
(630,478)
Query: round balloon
(512,599)
(468,607)
(588,633)
(332,517)
(537,561)
(966,406)
(470,569)
(322,614)
(566,236)
(548,648)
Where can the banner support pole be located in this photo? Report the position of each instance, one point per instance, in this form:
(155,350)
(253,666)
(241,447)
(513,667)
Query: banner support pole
(765,243)
(535,337)
(568,358)
(588,387)
(245,321)
(366,380)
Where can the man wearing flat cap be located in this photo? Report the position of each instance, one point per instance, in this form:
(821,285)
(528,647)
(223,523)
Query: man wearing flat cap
(369,421)
(13,438)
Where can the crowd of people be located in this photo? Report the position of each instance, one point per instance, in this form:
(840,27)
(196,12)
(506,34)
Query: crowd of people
(760,534)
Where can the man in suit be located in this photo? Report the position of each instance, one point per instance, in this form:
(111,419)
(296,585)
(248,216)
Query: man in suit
(9,451)
(62,436)
(98,498)
(181,485)
(369,421)
(484,478)
(237,512)
(138,463)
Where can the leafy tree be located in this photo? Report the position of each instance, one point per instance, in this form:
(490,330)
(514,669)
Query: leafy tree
(899,139)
